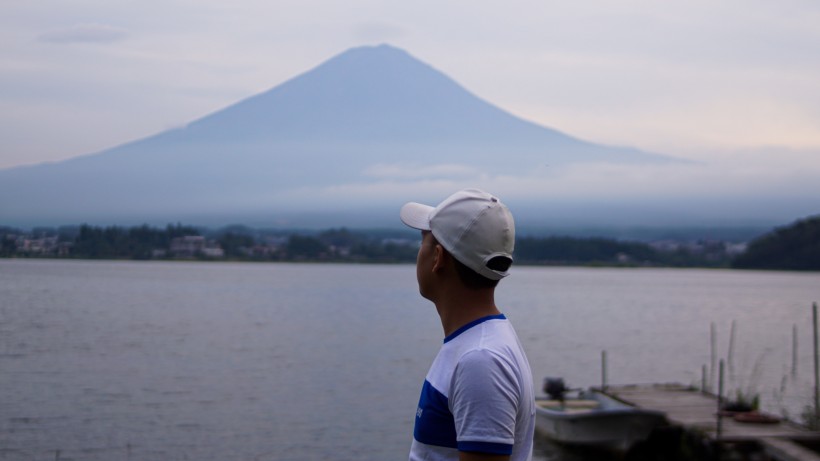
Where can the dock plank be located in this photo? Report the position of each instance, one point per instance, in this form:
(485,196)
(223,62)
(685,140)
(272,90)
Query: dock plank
(696,410)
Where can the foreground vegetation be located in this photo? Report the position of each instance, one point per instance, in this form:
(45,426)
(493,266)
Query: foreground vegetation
(337,245)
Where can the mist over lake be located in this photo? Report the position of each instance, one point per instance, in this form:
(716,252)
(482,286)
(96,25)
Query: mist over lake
(218,361)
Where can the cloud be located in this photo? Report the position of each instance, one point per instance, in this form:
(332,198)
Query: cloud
(85,33)
(404,171)
(740,187)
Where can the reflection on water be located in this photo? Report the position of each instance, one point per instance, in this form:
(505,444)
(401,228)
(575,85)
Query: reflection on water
(221,361)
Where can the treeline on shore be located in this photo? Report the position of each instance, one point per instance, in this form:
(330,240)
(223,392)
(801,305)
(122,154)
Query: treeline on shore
(240,243)
(187,242)
(793,247)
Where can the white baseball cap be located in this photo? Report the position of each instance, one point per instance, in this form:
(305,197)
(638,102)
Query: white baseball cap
(471,225)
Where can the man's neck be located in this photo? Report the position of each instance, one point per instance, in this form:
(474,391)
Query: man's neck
(461,307)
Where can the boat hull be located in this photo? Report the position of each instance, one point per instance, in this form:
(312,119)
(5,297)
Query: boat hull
(608,424)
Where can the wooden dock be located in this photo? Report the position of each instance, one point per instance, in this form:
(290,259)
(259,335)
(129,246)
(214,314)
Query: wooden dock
(697,412)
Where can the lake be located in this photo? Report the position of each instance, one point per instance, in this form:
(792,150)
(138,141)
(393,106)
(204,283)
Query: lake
(103,360)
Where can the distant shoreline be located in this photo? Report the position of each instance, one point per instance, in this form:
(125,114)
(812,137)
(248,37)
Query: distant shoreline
(187,243)
(790,248)
(351,262)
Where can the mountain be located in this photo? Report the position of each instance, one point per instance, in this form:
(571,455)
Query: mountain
(368,115)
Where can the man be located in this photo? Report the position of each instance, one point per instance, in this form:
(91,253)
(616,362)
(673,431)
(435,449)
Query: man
(477,402)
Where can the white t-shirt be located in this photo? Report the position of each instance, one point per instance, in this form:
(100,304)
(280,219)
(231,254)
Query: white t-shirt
(477,396)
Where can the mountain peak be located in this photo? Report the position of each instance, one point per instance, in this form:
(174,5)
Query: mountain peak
(379,55)
(365,93)
(381,49)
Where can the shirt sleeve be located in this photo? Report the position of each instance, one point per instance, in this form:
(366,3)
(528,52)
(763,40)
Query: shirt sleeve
(484,401)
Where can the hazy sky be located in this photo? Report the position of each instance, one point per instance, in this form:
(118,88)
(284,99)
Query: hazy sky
(699,79)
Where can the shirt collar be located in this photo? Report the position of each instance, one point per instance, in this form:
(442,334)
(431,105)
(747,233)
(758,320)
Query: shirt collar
(472,324)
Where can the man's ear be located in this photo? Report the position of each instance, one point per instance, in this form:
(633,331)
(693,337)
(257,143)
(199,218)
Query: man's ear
(439,258)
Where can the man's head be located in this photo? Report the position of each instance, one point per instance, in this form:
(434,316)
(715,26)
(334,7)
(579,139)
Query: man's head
(475,228)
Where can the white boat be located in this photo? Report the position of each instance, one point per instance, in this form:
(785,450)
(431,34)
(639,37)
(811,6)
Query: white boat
(593,419)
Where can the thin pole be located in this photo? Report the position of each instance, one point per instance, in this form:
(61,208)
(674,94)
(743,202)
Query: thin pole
(603,370)
(720,403)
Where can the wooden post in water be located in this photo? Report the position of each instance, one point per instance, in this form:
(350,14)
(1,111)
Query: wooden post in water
(603,370)
(794,351)
(703,380)
(729,356)
(816,367)
(713,348)
(720,404)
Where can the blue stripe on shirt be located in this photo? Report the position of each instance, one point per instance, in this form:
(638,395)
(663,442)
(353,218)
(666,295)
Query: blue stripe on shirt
(434,422)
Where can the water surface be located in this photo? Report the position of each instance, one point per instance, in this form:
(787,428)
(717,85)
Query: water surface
(241,361)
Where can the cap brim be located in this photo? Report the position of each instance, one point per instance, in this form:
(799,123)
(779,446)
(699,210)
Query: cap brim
(416,215)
